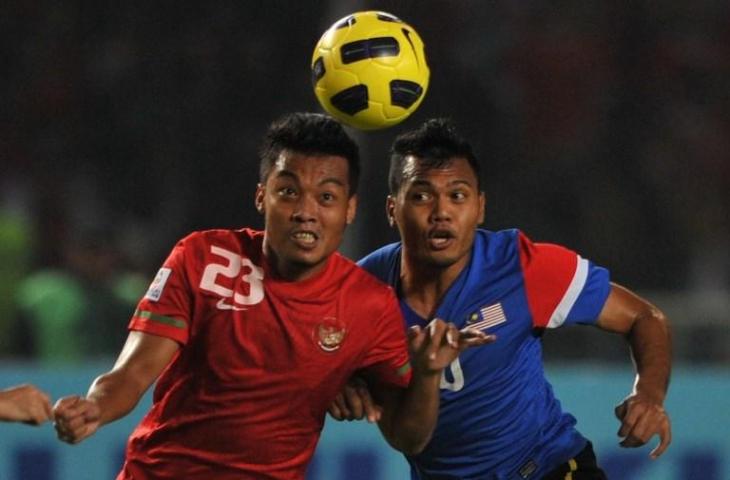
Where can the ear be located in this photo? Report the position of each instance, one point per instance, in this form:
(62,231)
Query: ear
(390,210)
(259,197)
(482,207)
(351,209)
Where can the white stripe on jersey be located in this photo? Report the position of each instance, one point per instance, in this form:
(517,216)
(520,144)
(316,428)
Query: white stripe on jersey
(571,294)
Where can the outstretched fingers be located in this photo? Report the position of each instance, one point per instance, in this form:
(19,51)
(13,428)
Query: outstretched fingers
(470,337)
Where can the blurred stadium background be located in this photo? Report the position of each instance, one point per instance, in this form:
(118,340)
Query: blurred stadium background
(603,126)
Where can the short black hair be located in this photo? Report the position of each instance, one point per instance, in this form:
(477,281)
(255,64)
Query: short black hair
(435,143)
(311,134)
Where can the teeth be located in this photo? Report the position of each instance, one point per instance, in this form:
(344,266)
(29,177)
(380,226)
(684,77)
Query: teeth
(305,236)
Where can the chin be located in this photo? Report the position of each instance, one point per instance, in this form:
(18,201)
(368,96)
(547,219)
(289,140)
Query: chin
(441,261)
(304,261)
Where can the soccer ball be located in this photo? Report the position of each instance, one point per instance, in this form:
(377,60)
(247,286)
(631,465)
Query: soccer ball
(369,70)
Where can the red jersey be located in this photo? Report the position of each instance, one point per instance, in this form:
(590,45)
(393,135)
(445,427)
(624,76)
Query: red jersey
(260,362)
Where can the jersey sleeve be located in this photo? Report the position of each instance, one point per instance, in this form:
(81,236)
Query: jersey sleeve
(165,309)
(562,287)
(387,360)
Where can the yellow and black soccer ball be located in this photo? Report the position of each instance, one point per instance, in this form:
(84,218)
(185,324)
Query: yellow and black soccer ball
(369,70)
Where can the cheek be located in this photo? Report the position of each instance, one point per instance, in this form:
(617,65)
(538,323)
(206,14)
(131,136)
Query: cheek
(334,218)
(409,229)
(413,221)
(275,217)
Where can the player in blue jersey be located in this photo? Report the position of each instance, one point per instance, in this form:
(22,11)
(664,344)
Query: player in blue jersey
(498,417)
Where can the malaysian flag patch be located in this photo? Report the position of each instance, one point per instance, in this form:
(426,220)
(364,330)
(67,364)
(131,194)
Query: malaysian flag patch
(491,315)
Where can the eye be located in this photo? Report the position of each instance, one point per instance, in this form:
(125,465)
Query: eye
(419,197)
(458,196)
(287,192)
(328,197)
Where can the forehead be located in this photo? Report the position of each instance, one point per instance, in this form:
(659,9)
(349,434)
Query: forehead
(310,166)
(454,169)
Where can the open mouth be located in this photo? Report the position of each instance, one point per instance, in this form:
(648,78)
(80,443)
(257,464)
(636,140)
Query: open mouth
(439,239)
(304,238)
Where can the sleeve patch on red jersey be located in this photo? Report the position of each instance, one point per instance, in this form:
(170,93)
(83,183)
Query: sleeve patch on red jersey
(405,369)
(153,317)
(158,284)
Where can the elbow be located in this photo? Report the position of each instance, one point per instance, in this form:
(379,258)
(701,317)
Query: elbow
(411,446)
(651,319)
(414,448)
(658,316)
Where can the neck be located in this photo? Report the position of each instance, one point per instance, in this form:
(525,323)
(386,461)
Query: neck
(423,286)
(289,271)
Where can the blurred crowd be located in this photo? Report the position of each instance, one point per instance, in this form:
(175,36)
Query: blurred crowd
(604,126)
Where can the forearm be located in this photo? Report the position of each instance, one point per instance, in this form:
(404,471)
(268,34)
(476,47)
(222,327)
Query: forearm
(411,421)
(7,408)
(651,350)
(116,393)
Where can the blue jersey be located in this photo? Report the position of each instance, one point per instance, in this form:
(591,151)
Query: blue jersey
(499,418)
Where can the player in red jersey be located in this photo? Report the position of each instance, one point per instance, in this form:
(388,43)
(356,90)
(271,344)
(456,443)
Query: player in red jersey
(252,334)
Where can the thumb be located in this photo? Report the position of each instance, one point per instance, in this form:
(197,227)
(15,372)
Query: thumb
(415,337)
(620,410)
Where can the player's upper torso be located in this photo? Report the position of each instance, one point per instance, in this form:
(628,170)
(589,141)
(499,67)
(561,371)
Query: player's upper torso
(260,360)
(498,417)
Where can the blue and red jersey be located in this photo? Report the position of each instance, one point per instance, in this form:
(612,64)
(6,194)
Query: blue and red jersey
(499,418)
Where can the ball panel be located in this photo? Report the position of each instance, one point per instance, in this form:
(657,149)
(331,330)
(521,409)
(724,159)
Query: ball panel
(404,93)
(369,48)
(318,70)
(387,17)
(351,100)
(348,21)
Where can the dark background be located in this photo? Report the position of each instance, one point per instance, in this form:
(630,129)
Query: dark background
(603,126)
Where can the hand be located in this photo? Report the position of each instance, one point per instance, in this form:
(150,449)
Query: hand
(355,403)
(642,418)
(436,346)
(25,403)
(76,418)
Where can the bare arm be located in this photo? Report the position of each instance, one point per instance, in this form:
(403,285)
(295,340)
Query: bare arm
(115,393)
(409,415)
(645,327)
(24,403)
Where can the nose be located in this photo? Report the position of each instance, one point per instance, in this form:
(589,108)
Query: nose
(441,211)
(305,210)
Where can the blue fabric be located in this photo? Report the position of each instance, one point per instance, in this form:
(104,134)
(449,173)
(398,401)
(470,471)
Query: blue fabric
(499,419)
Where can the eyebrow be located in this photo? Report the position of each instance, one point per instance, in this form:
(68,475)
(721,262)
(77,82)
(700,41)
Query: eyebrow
(293,176)
(334,180)
(452,183)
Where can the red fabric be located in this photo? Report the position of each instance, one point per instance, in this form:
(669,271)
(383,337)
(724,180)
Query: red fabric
(548,270)
(247,395)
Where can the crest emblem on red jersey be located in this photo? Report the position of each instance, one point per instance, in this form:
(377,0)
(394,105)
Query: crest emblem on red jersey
(329,334)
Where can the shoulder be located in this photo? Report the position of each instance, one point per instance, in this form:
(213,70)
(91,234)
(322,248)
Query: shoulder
(383,262)
(239,240)
(497,248)
(221,234)
(222,246)
(359,276)
(497,242)
(361,284)
(514,243)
